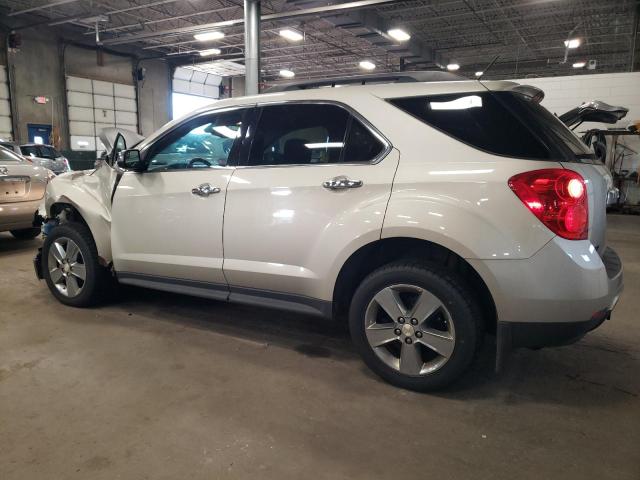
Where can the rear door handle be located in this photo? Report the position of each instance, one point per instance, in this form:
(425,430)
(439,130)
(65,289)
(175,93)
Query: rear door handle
(204,190)
(341,182)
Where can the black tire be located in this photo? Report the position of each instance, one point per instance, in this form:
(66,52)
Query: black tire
(26,233)
(97,281)
(462,310)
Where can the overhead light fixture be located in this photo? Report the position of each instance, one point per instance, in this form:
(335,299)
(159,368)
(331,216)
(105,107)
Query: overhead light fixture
(479,74)
(287,73)
(579,64)
(367,65)
(209,51)
(398,34)
(572,43)
(291,34)
(207,36)
(453,67)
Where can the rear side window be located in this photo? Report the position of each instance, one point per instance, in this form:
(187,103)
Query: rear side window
(29,150)
(311,134)
(479,119)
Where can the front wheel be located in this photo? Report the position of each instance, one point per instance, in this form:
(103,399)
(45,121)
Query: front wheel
(70,265)
(415,325)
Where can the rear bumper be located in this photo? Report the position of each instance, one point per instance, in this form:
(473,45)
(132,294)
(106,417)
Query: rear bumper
(18,215)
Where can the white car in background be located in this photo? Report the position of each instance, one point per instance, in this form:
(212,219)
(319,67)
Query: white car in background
(427,210)
(22,187)
(45,156)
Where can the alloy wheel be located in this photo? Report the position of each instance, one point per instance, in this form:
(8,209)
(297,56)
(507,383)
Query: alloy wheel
(409,329)
(67,268)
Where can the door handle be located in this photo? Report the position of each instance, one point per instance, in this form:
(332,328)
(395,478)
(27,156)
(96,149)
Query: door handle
(204,190)
(341,182)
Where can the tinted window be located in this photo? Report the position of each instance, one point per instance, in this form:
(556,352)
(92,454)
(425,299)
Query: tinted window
(200,143)
(29,150)
(362,145)
(480,119)
(299,134)
(48,152)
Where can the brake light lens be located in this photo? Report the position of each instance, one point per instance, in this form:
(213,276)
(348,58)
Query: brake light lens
(558,197)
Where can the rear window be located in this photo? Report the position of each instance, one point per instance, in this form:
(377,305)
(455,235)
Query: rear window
(502,123)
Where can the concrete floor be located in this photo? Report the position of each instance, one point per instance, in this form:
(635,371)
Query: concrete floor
(167,387)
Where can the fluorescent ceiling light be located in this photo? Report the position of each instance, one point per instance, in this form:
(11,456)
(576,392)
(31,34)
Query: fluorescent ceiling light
(210,51)
(291,34)
(453,67)
(226,131)
(572,43)
(398,34)
(461,103)
(324,145)
(287,73)
(579,64)
(206,36)
(479,74)
(367,65)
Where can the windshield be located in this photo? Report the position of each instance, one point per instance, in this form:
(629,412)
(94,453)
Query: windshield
(8,156)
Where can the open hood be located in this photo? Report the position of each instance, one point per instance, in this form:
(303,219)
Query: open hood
(108,138)
(594,111)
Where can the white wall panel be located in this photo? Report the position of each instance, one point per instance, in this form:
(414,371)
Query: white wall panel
(81,114)
(127,118)
(102,88)
(78,84)
(79,99)
(82,142)
(126,91)
(5,106)
(94,105)
(103,115)
(81,128)
(125,104)
(103,101)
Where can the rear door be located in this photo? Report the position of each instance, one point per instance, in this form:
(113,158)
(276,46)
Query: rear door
(316,181)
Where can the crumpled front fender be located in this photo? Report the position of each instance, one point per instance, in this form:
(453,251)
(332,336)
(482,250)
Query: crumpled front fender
(83,190)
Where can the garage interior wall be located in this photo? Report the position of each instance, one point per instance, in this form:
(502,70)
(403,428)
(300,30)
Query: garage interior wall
(564,93)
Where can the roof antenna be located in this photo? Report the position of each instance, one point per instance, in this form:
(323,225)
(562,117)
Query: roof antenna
(495,59)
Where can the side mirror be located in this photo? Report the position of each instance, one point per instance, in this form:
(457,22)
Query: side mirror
(130,160)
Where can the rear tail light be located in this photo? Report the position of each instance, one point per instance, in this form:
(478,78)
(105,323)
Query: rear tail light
(558,197)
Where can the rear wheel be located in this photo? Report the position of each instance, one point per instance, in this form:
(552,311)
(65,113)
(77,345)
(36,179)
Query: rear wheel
(70,266)
(26,233)
(415,325)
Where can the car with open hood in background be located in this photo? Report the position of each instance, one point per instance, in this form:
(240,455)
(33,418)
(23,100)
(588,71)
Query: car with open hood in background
(22,187)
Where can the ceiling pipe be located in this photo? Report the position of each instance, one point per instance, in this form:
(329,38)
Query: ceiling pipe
(252,46)
(239,21)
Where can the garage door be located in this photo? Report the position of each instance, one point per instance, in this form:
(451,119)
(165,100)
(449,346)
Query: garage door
(5,107)
(94,105)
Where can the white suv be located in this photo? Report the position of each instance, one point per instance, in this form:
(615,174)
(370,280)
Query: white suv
(428,210)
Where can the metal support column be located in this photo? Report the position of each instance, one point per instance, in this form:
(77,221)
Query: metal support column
(252,46)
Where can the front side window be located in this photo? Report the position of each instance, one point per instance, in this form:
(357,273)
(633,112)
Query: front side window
(200,143)
(311,134)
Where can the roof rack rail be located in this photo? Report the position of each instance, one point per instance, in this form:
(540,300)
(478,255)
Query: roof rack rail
(393,77)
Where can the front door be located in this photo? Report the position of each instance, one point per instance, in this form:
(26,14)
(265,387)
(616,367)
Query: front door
(40,134)
(316,185)
(167,221)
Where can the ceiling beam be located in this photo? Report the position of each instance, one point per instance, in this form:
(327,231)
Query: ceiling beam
(239,21)
(40,7)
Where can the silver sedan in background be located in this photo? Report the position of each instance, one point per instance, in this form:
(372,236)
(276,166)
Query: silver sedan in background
(22,186)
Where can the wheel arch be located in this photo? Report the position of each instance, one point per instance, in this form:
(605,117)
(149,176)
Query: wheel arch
(97,225)
(373,255)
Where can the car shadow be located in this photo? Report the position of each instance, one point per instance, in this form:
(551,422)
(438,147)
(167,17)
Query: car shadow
(594,371)
(10,245)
